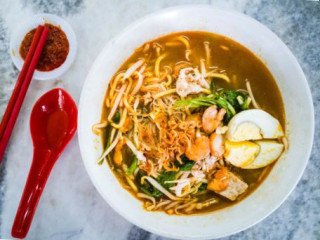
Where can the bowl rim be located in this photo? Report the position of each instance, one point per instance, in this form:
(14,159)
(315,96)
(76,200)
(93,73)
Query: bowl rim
(283,46)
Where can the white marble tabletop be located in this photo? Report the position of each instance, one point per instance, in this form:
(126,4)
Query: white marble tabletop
(70,207)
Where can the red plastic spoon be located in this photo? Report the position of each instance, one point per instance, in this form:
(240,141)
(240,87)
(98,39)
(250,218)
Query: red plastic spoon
(53,123)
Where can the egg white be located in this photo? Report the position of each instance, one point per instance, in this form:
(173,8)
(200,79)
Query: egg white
(253,124)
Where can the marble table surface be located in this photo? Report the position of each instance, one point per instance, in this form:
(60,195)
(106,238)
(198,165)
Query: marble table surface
(70,207)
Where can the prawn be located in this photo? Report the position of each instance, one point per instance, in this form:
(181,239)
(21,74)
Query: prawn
(216,145)
(199,150)
(212,118)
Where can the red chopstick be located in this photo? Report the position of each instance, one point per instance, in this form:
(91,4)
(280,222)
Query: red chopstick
(23,82)
(18,85)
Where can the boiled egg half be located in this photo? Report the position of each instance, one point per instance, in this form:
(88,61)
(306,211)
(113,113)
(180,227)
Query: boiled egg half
(249,143)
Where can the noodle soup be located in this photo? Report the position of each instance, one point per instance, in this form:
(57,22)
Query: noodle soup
(192,122)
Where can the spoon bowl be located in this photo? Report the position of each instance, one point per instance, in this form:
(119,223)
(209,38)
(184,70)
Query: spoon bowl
(53,120)
(53,123)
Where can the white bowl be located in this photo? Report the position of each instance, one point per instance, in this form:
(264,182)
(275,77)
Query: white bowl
(32,23)
(298,107)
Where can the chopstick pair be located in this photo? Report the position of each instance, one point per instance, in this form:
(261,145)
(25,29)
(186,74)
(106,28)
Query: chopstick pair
(21,87)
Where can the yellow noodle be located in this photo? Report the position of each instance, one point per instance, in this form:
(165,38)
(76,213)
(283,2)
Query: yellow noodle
(173,44)
(152,80)
(164,93)
(127,105)
(157,65)
(219,75)
(96,128)
(131,184)
(168,83)
(224,47)
(184,40)
(107,102)
(187,54)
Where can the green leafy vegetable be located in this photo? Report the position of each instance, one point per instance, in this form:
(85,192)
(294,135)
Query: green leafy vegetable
(202,187)
(227,99)
(235,98)
(151,191)
(116,117)
(133,166)
(146,187)
(187,166)
(186,163)
(207,101)
(167,176)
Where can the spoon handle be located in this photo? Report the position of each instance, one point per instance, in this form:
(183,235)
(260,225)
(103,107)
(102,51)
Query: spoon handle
(41,166)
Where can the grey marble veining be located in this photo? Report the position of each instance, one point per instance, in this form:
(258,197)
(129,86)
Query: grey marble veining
(62,8)
(70,207)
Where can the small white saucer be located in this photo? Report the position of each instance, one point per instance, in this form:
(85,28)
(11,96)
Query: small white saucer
(32,23)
